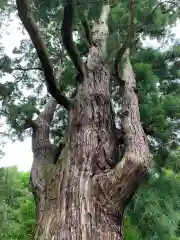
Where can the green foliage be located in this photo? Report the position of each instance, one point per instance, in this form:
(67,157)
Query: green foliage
(155,209)
(17,209)
(174,161)
(131,232)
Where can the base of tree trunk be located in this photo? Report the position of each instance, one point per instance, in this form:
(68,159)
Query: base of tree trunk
(73,211)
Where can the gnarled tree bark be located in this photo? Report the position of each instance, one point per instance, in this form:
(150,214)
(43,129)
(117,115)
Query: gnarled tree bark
(84,195)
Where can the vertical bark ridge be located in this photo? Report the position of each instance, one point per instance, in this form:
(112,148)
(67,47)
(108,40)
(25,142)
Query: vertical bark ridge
(43,154)
(119,184)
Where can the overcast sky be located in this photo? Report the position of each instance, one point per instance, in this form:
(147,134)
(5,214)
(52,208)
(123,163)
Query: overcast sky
(19,153)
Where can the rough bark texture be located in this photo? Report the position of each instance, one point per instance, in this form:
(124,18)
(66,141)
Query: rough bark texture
(43,154)
(83,196)
(74,209)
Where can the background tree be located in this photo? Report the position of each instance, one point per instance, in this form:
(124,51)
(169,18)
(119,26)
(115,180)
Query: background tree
(157,85)
(17,211)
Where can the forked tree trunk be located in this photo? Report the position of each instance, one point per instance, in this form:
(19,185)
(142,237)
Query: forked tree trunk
(87,190)
(76,207)
(84,194)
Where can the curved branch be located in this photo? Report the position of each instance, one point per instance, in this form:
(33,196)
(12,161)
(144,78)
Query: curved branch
(34,33)
(67,38)
(119,184)
(134,165)
(161,3)
(127,41)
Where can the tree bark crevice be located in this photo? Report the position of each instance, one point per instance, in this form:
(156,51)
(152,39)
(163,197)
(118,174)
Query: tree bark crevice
(119,184)
(43,155)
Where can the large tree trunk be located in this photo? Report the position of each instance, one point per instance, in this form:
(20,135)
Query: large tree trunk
(86,191)
(84,194)
(76,207)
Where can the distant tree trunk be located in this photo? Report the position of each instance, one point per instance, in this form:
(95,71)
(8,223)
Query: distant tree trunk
(84,194)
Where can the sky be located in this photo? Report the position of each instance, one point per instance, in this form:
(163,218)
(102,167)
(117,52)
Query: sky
(19,153)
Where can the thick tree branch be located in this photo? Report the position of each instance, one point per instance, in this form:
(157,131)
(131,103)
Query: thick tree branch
(119,184)
(34,33)
(125,45)
(135,162)
(48,112)
(43,152)
(49,109)
(67,38)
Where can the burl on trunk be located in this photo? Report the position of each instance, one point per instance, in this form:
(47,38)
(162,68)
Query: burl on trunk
(83,193)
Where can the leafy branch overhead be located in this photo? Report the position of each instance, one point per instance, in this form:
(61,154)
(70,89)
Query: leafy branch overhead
(167,7)
(131,36)
(43,13)
(126,44)
(34,33)
(67,38)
